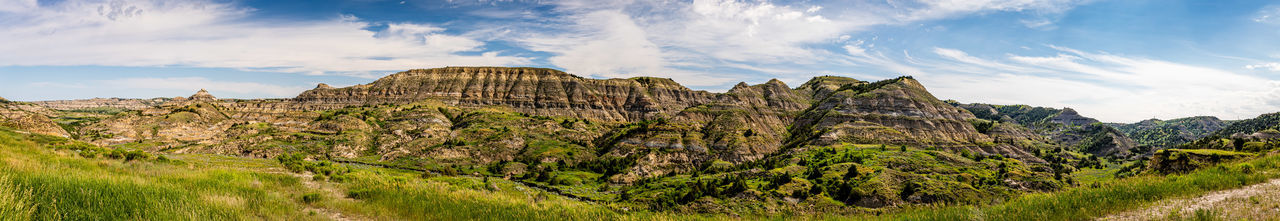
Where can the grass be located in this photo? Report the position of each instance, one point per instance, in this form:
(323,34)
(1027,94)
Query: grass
(1085,203)
(40,182)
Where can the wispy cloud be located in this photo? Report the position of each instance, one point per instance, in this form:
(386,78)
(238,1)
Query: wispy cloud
(1272,66)
(1110,87)
(1269,14)
(693,39)
(215,34)
(181,85)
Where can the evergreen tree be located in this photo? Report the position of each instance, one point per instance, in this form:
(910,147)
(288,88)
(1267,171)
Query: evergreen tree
(852,172)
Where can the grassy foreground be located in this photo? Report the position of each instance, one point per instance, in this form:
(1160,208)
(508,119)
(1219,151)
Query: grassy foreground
(1087,203)
(40,181)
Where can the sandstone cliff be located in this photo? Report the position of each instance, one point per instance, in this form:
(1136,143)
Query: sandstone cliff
(896,111)
(536,91)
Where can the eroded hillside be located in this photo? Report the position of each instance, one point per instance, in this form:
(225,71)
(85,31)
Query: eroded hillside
(833,143)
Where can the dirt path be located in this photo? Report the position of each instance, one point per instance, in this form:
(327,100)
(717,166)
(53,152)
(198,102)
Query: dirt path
(330,192)
(1255,202)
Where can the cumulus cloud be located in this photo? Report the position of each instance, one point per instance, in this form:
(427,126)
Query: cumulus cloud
(1107,86)
(213,34)
(604,43)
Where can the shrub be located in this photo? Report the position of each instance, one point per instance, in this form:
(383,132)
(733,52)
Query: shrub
(136,155)
(90,153)
(293,162)
(311,198)
(1246,168)
(116,154)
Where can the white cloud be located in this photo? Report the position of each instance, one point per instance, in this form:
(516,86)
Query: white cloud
(1269,15)
(1106,86)
(607,43)
(698,36)
(174,86)
(211,34)
(195,83)
(17,5)
(1273,66)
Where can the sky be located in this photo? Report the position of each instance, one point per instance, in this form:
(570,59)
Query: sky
(1115,60)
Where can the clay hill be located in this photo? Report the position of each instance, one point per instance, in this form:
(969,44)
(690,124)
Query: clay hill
(554,128)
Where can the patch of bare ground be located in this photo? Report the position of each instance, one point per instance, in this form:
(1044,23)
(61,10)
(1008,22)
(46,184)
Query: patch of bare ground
(1255,202)
(328,190)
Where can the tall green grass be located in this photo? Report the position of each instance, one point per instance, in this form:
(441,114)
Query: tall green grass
(43,184)
(1085,203)
(15,203)
(39,182)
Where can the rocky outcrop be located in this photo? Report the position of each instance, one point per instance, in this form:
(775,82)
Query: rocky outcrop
(1070,117)
(485,115)
(17,115)
(118,103)
(1186,160)
(202,95)
(537,91)
(1063,127)
(895,111)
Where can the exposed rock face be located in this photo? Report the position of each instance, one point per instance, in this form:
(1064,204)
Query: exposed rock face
(484,115)
(536,91)
(1182,161)
(202,95)
(1061,126)
(1070,117)
(121,103)
(18,116)
(896,111)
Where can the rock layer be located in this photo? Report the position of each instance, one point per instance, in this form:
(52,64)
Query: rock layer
(120,103)
(537,91)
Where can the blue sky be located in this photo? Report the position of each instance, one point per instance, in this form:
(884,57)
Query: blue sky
(1119,61)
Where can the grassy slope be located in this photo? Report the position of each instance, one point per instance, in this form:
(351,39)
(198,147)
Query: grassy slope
(1113,196)
(38,182)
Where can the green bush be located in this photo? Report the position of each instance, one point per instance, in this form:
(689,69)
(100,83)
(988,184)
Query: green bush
(311,198)
(293,162)
(136,155)
(116,154)
(1246,168)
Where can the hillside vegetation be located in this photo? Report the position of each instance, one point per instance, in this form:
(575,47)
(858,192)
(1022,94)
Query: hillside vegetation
(1169,133)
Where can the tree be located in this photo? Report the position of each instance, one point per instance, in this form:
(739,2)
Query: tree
(852,172)
(813,173)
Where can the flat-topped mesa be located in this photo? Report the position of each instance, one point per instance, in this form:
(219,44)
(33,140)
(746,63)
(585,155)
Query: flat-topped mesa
(538,91)
(203,95)
(121,103)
